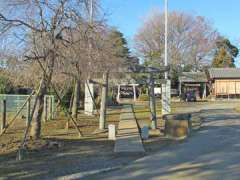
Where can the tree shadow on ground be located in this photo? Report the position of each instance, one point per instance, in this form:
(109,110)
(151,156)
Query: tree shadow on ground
(210,153)
(76,156)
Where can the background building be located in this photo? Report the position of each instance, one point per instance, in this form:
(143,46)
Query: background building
(193,81)
(224,82)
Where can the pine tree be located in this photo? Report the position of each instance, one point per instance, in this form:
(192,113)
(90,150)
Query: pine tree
(225,54)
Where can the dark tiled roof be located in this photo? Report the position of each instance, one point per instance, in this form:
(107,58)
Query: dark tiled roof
(224,73)
(194,77)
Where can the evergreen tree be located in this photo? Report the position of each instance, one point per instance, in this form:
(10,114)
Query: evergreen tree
(225,54)
(120,48)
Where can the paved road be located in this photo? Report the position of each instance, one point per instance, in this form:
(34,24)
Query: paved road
(213,153)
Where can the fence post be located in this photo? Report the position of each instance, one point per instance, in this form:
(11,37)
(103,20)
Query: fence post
(4,113)
(49,108)
(28,112)
(45,109)
(53,107)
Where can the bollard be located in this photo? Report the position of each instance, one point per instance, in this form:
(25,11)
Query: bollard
(111,132)
(4,115)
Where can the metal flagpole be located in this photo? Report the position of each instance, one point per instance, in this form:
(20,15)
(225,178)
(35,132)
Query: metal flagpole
(91,12)
(166,88)
(166,38)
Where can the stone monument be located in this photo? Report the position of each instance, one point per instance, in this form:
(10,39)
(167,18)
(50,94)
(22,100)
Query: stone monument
(166,97)
(88,101)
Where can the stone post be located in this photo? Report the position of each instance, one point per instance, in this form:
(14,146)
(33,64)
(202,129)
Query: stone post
(111,132)
(166,97)
(205,91)
(103,109)
(134,93)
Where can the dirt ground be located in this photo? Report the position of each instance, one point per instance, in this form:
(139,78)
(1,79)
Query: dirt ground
(91,152)
(54,129)
(88,154)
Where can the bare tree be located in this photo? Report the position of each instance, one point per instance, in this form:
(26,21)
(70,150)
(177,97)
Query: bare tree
(41,23)
(191,39)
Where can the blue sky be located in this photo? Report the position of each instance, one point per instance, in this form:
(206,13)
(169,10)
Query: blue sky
(127,15)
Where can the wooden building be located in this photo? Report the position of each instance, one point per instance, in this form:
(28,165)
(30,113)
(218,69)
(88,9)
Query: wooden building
(193,81)
(224,82)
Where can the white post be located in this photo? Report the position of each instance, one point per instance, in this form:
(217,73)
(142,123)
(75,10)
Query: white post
(134,93)
(166,88)
(205,91)
(118,93)
(49,107)
(45,109)
(166,38)
(91,12)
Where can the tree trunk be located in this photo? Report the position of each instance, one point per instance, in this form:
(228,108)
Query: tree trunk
(44,84)
(76,99)
(37,116)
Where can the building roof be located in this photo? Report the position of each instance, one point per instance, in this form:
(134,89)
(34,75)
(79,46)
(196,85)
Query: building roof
(193,77)
(224,73)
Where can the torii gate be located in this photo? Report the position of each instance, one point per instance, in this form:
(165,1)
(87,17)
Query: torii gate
(134,91)
(152,101)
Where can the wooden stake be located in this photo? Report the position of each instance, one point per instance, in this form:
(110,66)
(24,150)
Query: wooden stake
(60,100)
